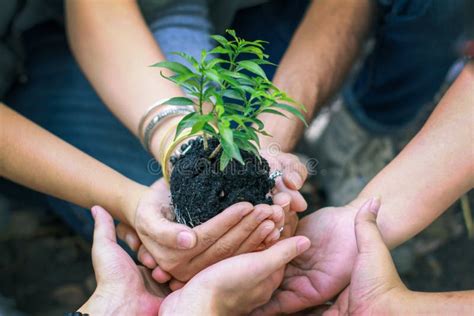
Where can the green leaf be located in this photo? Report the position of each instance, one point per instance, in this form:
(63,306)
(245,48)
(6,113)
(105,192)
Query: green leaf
(173,66)
(254,50)
(292,110)
(220,50)
(179,101)
(273,112)
(216,61)
(263,62)
(232,94)
(233,108)
(219,110)
(252,67)
(203,56)
(232,33)
(231,81)
(225,159)
(199,124)
(227,142)
(188,57)
(188,121)
(244,144)
(213,75)
(250,131)
(209,130)
(257,43)
(220,39)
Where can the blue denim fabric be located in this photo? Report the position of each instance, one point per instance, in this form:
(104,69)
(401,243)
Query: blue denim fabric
(274,22)
(415,45)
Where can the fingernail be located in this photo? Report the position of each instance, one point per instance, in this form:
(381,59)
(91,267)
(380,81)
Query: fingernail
(94,211)
(274,236)
(295,179)
(303,245)
(279,213)
(185,240)
(264,214)
(247,211)
(375,205)
(130,240)
(267,228)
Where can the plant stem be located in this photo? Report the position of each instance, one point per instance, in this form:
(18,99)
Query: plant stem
(201,88)
(204,139)
(215,152)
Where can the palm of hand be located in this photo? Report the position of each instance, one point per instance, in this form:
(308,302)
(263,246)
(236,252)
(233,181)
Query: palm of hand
(119,278)
(324,270)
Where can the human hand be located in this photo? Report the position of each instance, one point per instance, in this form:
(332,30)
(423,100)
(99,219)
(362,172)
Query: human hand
(122,287)
(238,229)
(375,287)
(293,178)
(236,285)
(324,270)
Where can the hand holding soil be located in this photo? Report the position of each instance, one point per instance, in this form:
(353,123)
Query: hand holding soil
(239,229)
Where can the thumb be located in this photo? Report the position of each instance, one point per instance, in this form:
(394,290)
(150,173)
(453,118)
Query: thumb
(104,228)
(367,233)
(275,257)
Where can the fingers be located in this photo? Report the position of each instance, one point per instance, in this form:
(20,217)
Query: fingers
(170,234)
(294,171)
(272,259)
(367,233)
(283,199)
(146,258)
(298,203)
(253,242)
(229,243)
(278,216)
(176,285)
(209,232)
(129,236)
(104,228)
(160,276)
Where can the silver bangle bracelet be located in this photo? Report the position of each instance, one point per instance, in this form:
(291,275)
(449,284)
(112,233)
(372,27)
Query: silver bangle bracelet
(155,122)
(154,106)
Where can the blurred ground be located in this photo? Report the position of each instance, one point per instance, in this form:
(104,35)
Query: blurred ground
(46,270)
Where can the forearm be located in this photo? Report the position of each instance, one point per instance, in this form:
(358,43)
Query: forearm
(432,171)
(114,47)
(318,59)
(447,303)
(35,158)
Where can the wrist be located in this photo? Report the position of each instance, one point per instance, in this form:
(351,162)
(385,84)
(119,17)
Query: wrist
(97,304)
(180,302)
(131,195)
(398,301)
(108,302)
(164,136)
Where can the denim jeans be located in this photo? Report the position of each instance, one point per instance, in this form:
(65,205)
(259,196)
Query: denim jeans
(415,45)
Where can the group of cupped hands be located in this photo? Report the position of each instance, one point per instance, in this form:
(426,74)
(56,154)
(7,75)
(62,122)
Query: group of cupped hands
(249,259)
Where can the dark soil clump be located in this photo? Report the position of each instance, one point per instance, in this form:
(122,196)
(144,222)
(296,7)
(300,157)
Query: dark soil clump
(200,191)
